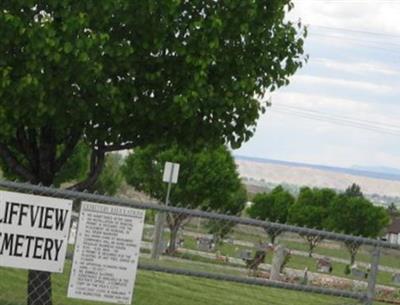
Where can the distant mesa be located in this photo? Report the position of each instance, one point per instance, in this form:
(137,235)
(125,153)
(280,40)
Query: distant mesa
(376,182)
(386,173)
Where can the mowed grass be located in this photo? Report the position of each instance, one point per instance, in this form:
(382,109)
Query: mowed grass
(295,262)
(153,288)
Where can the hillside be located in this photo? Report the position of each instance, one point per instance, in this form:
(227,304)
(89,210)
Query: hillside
(278,172)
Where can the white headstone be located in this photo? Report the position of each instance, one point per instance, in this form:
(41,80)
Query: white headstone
(72,232)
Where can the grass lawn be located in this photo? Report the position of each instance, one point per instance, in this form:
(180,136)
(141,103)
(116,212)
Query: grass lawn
(296,261)
(154,288)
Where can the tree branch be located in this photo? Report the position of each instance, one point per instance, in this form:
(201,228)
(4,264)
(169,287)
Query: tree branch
(27,147)
(71,143)
(97,159)
(176,220)
(114,147)
(14,165)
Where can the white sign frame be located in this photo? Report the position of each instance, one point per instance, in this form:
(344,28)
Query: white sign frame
(171,172)
(34,231)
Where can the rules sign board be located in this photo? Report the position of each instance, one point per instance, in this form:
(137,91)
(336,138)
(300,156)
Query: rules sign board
(106,253)
(33,231)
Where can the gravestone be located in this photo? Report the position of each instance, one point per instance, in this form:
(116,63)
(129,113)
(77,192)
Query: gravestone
(179,242)
(280,255)
(205,244)
(246,255)
(163,246)
(147,234)
(263,246)
(304,279)
(230,241)
(357,272)
(72,232)
(324,265)
(396,278)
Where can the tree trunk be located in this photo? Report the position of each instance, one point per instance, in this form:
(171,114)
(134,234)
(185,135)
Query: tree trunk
(39,288)
(272,237)
(353,250)
(313,242)
(174,223)
(273,233)
(353,255)
(172,239)
(352,258)
(310,249)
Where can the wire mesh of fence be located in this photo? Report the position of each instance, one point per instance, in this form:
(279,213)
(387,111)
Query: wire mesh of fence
(194,257)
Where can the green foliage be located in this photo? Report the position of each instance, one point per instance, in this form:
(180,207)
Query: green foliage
(273,206)
(208,179)
(347,269)
(357,216)
(132,72)
(354,190)
(219,228)
(393,210)
(311,208)
(75,167)
(124,73)
(111,177)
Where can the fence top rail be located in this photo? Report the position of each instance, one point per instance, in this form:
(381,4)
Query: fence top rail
(72,194)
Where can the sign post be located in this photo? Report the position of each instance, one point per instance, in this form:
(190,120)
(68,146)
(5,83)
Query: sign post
(171,171)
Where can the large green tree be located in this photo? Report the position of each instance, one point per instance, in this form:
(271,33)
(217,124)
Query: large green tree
(122,73)
(355,215)
(208,180)
(274,207)
(311,210)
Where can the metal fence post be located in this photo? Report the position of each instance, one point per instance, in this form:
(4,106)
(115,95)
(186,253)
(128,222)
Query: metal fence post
(373,274)
(157,236)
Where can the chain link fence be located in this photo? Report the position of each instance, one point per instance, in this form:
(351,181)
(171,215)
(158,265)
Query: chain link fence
(198,257)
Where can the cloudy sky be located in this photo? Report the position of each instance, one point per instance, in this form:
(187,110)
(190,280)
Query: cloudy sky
(343,107)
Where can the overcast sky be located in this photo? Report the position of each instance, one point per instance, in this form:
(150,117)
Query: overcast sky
(352,79)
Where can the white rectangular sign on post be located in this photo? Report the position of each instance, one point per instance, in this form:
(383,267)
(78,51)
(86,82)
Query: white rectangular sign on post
(33,231)
(106,253)
(171,171)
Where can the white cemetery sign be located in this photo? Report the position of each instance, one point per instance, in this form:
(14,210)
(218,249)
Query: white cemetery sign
(106,253)
(33,231)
